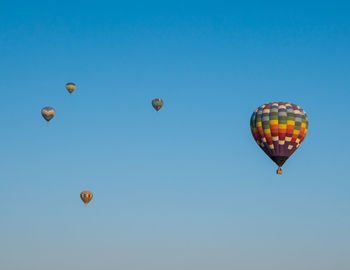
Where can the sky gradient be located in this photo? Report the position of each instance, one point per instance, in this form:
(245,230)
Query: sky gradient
(186,188)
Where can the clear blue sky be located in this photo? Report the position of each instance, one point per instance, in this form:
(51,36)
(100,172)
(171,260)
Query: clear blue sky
(186,188)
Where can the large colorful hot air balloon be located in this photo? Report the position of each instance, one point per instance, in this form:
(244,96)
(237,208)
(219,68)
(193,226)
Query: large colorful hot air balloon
(279,128)
(70,87)
(86,196)
(48,113)
(157,103)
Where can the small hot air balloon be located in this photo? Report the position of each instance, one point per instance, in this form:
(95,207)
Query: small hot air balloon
(86,196)
(279,128)
(48,113)
(70,87)
(157,104)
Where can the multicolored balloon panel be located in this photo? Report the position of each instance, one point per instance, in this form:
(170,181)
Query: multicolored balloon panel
(279,128)
(157,104)
(86,196)
(48,113)
(70,87)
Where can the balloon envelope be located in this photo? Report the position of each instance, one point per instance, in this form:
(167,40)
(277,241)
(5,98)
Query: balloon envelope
(86,196)
(279,128)
(70,87)
(48,113)
(157,103)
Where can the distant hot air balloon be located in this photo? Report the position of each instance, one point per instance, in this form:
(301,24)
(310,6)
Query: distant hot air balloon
(48,113)
(70,87)
(86,197)
(157,104)
(279,128)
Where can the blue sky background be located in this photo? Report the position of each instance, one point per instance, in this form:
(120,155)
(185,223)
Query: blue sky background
(185,188)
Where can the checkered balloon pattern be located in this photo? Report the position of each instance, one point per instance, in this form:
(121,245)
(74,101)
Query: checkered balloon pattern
(279,128)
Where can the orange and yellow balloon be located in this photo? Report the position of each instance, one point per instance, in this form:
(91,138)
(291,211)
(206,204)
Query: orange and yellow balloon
(86,196)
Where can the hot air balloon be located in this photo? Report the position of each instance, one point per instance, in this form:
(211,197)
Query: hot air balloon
(279,128)
(157,104)
(70,87)
(86,196)
(48,113)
